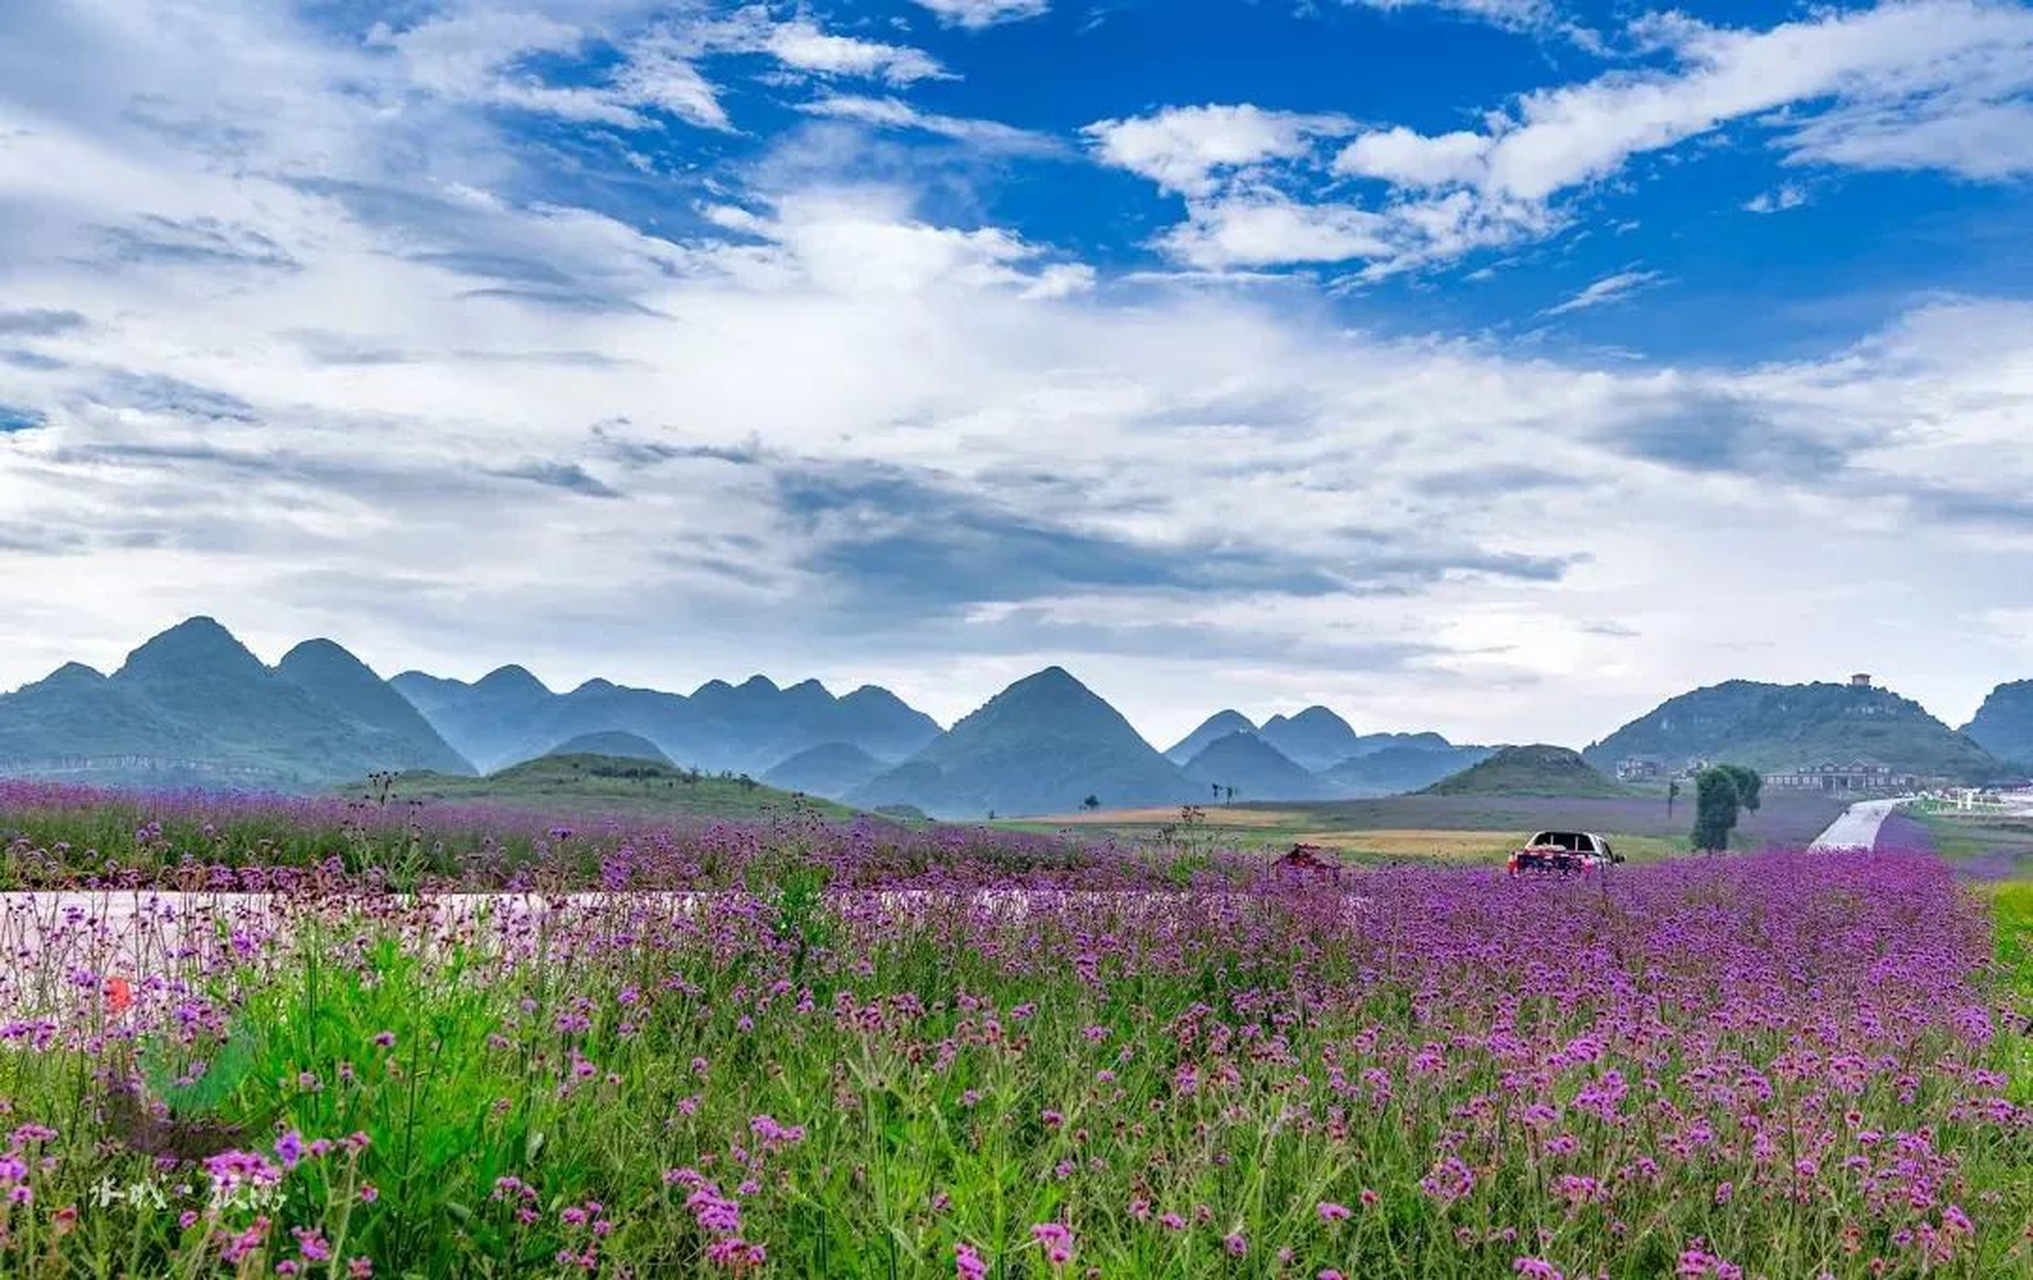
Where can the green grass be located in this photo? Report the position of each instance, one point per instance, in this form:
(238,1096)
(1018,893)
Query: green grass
(2003,846)
(1640,827)
(2012,920)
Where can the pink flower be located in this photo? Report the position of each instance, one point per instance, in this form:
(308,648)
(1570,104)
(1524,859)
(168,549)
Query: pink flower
(1331,1212)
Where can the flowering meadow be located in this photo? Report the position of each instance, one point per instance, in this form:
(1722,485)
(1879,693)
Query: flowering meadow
(798,1050)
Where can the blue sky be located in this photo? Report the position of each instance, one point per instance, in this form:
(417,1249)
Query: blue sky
(1498,366)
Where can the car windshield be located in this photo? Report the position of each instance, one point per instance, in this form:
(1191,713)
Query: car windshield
(1577,841)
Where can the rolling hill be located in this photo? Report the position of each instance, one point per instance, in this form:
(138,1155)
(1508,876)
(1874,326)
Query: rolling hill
(1537,770)
(2003,726)
(614,743)
(576,785)
(1772,726)
(1040,746)
(1254,768)
(192,707)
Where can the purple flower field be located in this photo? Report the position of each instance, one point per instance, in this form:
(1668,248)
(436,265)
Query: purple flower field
(869,1052)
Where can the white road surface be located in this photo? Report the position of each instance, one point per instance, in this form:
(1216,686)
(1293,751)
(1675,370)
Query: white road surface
(1858,827)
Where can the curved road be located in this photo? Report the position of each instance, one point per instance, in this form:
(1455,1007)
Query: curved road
(1858,827)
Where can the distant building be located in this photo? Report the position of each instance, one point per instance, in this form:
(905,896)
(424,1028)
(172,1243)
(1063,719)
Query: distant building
(1861,680)
(1639,768)
(1855,777)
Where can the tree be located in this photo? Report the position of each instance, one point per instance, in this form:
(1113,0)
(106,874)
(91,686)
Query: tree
(1672,794)
(1715,808)
(1091,803)
(1749,784)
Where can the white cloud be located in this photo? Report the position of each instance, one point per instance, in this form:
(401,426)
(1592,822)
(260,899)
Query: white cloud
(1185,149)
(802,44)
(894,113)
(976,14)
(1264,228)
(1925,84)
(1512,15)
(1787,195)
(1609,289)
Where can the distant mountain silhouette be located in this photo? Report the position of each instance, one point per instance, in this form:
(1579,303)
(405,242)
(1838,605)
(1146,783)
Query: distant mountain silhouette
(831,769)
(1256,769)
(509,715)
(616,744)
(192,706)
(2004,724)
(1778,726)
(1040,746)
(1316,738)
(1218,725)
(325,670)
(1395,770)
(1537,770)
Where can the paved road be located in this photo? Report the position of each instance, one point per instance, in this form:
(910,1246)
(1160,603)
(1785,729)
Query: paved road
(1858,827)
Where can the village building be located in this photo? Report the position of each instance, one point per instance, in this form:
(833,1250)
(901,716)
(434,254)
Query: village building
(1854,777)
(1640,768)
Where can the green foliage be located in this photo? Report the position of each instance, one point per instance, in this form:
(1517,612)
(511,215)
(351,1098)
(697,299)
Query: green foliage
(1716,805)
(1749,783)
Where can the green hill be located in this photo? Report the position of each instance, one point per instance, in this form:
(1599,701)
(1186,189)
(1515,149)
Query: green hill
(1537,770)
(2004,724)
(1772,727)
(611,742)
(592,784)
(1040,746)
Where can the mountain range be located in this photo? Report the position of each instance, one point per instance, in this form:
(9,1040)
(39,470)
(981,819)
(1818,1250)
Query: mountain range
(193,706)
(509,715)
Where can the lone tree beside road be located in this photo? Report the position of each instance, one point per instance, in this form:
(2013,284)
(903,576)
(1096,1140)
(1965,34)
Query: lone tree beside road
(1719,792)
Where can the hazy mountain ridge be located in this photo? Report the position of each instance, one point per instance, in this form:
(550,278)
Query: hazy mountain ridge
(509,715)
(192,706)
(1774,726)
(1255,769)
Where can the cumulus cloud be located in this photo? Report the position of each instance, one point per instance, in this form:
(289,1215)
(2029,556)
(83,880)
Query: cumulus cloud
(1945,85)
(1185,149)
